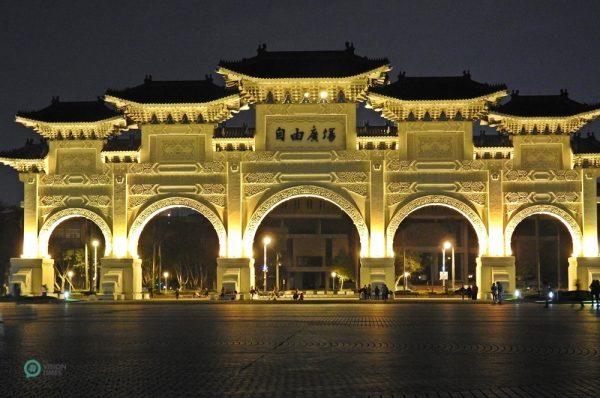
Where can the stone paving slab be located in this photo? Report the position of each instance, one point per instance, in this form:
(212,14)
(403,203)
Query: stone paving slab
(309,350)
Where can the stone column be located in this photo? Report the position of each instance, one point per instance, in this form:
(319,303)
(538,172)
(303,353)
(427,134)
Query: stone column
(582,270)
(31,274)
(30,214)
(377,271)
(377,209)
(589,215)
(236,274)
(495,269)
(121,278)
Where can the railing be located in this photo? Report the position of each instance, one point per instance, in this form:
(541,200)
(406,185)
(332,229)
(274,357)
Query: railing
(493,152)
(586,160)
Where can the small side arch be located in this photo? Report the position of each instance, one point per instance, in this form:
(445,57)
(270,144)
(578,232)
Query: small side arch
(154,208)
(56,218)
(436,200)
(299,191)
(550,210)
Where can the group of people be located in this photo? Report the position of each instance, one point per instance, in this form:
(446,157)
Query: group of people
(298,295)
(470,292)
(367,293)
(497,293)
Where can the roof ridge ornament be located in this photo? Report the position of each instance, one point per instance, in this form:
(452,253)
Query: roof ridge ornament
(262,48)
(147,79)
(349,47)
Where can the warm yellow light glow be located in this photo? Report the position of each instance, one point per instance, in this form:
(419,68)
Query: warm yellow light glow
(166,274)
(30,246)
(447,245)
(590,246)
(95,243)
(323,95)
(306,94)
(377,245)
(70,274)
(267,240)
(406,274)
(120,246)
(333,274)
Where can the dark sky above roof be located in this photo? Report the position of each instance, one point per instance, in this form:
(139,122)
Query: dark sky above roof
(78,49)
(169,91)
(72,111)
(437,87)
(279,64)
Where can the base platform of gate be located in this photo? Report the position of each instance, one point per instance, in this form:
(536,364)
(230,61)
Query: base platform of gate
(377,271)
(29,275)
(582,271)
(236,274)
(495,269)
(121,278)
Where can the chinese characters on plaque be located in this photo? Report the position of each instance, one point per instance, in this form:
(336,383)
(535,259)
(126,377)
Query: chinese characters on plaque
(328,134)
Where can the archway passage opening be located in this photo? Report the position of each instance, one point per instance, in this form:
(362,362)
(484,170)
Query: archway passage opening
(314,243)
(76,245)
(420,242)
(179,249)
(541,245)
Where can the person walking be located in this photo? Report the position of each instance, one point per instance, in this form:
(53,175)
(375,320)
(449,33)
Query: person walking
(377,291)
(369,292)
(494,293)
(595,291)
(177,293)
(500,290)
(547,293)
(385,292)
(475,292)
(469,292)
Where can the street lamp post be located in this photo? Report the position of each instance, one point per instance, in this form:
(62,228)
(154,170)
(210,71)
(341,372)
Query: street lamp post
(266,242)
(445,247)
(95,243)
(333,275)
(406,275)
(166,275)
(70,276)
(453,267)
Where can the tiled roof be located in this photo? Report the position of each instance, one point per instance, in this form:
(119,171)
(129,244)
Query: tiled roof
(173,91)
(437,88)
(543,105)
(65,112)
(304,64)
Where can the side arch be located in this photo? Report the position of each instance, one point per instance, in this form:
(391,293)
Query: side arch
(437,200)
(154,208)
(313,191)
(56,218)
(550,210)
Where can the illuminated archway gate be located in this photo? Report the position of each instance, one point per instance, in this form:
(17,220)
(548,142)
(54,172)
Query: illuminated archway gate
(305,143)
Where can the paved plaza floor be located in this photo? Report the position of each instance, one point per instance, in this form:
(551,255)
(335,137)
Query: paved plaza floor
(299,349)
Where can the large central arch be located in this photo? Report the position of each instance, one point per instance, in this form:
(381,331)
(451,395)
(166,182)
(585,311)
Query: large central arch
(436,200)
(56,218)
(313,191)
(550,210)
(168,203)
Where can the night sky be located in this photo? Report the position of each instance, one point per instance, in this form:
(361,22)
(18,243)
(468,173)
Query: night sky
(79,49)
